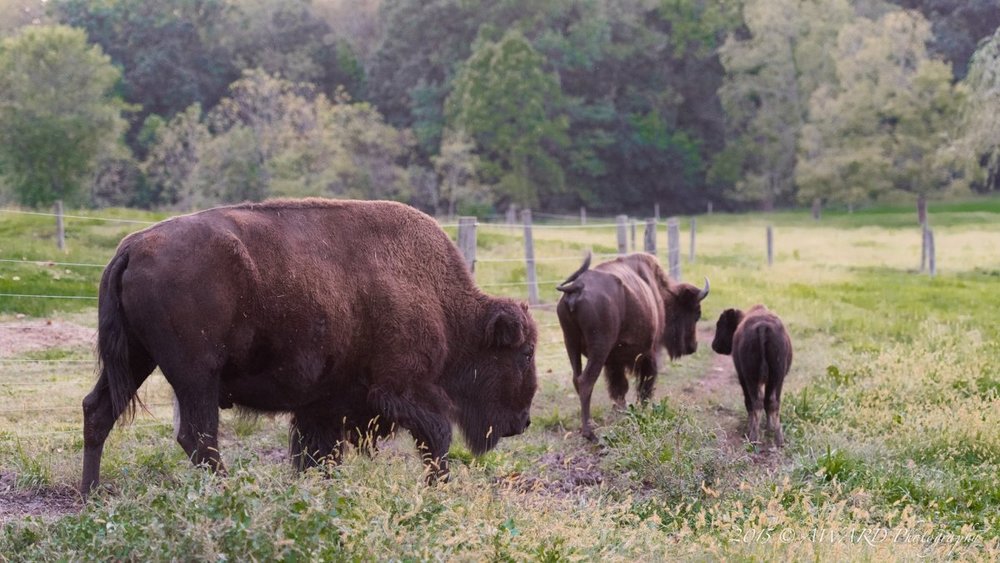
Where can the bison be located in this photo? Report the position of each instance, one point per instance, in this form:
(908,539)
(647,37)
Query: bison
(762,354)
(618,315)
(339,312)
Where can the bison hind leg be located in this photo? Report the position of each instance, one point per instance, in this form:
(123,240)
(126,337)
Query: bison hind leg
(617,384)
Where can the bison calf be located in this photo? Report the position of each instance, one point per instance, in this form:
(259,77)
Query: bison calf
(618,315)
(762,354)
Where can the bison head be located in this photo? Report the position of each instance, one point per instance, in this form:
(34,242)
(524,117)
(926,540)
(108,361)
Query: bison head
(494,396)
(724,330)
(682,307)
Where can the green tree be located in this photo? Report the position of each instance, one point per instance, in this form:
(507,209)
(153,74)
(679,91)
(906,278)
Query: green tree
(174,153)
(456,168)
(978,132)
(273,137)
(57,112)
(880,127)
(504,98)
(170,51)
(770,74)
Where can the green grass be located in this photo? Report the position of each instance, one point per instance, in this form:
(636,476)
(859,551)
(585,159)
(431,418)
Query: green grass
(890,412)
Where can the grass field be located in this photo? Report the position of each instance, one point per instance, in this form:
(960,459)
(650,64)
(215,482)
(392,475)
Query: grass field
(891,417)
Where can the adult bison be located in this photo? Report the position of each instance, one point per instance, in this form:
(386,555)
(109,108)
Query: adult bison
(762,354)
(618,315)
(336,311)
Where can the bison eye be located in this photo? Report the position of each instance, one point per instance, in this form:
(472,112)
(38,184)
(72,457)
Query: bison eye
(528,351)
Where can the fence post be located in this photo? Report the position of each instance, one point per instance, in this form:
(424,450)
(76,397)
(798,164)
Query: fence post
(710,208)
(583,215)
(529,258)
(674,248)
(511,214)
(632,227)
(649,237)
(931,258)
(60,229)
(923,247)
(656,211)
(622,235)
(817,208)
(467,241)
(694,223)
(770,245)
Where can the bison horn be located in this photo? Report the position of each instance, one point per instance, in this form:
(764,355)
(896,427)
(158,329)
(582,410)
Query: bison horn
(704,292)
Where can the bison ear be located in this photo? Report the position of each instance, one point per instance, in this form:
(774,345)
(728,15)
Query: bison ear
(504,326)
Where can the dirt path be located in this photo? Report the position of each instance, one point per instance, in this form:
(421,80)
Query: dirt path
(21,336)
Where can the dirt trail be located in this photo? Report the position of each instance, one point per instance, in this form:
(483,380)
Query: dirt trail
(20,336)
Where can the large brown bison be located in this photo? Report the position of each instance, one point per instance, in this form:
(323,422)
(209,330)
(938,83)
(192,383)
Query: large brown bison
(336,311)
(762,354)
(618,315)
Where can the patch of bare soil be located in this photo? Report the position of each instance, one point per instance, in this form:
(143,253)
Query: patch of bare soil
(558,474)
(20,336)
(48,504)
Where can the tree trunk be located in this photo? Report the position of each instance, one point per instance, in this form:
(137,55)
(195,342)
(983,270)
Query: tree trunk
(817,207)
(922,209)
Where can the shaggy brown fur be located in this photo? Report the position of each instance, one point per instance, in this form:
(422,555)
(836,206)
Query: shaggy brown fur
(618,315)
(762,354)
(335,311)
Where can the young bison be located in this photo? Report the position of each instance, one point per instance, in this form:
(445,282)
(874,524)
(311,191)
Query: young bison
(762,354)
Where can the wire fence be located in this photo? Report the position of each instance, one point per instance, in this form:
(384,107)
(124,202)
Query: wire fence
(40,395)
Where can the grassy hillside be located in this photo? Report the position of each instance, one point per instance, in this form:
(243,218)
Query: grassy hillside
(890,411)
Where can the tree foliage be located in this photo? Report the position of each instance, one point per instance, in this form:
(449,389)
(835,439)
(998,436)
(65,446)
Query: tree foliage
(57,112)
(881,126)
(505,99)
(978,134)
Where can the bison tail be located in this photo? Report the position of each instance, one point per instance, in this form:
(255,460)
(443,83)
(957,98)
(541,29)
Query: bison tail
(569,286)
(112,339)
(765,369)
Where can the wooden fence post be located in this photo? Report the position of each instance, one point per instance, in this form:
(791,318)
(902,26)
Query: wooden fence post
(511,214)
(649,237)
(60,228)
(656,211)
(467,241)
(631,225)
(694,223)
(931,258)
(923,247)
(674,248)
(710,208)
(622,235)
(817,208)
(770,245)
(583,215)
(529,258)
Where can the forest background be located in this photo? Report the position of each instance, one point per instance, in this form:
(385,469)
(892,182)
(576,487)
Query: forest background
(471,106)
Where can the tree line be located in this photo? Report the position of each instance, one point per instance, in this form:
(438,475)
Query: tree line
(470,106)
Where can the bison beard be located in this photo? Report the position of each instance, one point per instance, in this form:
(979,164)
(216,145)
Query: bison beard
(339,312)
(618,315)
(762,355)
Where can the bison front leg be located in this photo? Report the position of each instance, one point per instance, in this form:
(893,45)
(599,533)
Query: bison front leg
(645,370)
(314,439)
(423,413)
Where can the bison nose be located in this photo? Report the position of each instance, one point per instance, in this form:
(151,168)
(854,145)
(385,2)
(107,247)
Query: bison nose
(527,423)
